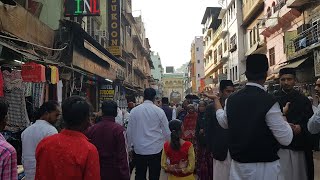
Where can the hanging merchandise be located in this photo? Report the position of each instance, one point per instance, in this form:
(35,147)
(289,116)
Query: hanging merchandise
(38,90)
(59,91)
(1,85)
(54,75)
(14,94)
(32,72)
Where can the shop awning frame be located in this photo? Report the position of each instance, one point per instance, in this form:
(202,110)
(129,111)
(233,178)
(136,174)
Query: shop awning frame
(294,64)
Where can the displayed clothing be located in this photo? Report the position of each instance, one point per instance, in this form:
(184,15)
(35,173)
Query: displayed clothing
(1,85)
(183,159)
(32,72)
(59,91)
(67,155)
(14,94)
(30,139)
(8,160)
(54,75)
(112,148)
(27,89)
(38,90)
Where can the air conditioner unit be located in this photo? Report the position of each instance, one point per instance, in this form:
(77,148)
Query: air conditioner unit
(232,47)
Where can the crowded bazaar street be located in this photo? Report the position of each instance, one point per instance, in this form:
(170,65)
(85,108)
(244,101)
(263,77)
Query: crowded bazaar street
(160,89)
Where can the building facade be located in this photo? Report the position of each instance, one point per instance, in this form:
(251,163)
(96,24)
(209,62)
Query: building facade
(173,87)
(157,73)
(197,63)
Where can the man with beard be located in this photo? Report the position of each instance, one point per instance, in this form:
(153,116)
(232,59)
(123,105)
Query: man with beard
(296,159)
(255,126)
(217,137)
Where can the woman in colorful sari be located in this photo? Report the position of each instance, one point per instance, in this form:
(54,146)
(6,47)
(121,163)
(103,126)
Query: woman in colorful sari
(189,125)
(204,167)
(178,159)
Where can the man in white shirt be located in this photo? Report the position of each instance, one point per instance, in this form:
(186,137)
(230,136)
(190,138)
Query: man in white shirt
(256,126)
(47,115)
(147,131)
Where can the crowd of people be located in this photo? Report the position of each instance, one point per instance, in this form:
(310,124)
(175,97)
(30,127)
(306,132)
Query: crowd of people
(247,134)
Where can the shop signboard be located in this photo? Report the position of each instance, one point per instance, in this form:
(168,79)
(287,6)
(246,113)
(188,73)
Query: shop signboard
(114,19)
(106,92)
(81,8)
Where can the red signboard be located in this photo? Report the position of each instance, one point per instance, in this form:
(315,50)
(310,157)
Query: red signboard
(81,8)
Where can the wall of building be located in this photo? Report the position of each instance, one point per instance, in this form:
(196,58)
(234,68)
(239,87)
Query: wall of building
(199,66)
(158,69)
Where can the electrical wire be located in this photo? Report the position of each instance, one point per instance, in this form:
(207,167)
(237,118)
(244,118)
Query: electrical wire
(38,45)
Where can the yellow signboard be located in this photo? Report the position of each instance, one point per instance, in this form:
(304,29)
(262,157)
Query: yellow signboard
(115,50)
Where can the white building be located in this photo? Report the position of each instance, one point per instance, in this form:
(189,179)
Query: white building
(231,15)
(199,65)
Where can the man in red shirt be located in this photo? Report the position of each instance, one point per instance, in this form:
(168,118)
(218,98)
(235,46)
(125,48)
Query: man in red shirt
(69,155)
(110,139)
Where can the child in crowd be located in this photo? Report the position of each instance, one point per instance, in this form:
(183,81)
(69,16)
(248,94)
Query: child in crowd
(178,157)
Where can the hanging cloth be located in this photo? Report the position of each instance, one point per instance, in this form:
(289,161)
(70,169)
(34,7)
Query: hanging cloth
(32,72)
(54,75)
(14,94)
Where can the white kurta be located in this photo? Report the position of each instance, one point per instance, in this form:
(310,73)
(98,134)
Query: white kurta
(293,165)
(254,171)
(221,169)
(262,170)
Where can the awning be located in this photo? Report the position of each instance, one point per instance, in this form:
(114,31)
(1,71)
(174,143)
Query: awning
(294,64)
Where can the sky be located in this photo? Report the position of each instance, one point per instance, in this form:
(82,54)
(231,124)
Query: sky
(171,26)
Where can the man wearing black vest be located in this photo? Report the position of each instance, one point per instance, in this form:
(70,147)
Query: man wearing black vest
(217,137)
(296,159)
(256,126)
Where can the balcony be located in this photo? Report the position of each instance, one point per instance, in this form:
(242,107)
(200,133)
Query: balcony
(251,8)
(282,17)
(304,42)
(139,70)
(296,3)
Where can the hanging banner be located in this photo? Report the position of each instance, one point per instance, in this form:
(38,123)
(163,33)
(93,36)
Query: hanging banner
(81,8)
(114,19)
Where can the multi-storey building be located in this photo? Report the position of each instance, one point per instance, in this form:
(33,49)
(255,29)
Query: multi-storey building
(157,73)
(214,47)
(197,63)
(231,15)
(253,13)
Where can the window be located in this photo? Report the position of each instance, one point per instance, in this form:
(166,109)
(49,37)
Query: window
(198,75)
(220,50)
(272,56)
(233,43)
(215,56)
(236,72)
(225,44)
(197,49)
(250,37)
(198,61)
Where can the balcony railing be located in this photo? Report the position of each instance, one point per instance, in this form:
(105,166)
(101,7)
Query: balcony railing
(305,40)
(250,7)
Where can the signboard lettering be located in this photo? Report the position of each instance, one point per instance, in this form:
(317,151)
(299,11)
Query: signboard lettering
(114,19)
(81,8)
